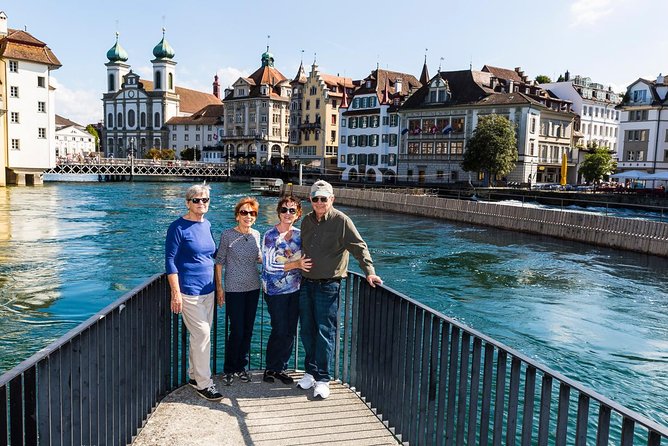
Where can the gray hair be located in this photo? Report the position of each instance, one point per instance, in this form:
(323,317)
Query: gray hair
(197,189)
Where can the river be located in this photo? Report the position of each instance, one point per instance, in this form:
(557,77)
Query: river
(597,315)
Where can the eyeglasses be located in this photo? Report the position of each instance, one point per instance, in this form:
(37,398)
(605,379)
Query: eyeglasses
(199,200)
(245,212)
(285,210)
(320,199)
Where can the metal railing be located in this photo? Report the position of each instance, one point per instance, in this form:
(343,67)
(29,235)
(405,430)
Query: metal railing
(439,382)
(435,381)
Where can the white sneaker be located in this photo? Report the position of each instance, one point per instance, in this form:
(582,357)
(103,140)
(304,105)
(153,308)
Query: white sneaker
(306,382)
(321,389)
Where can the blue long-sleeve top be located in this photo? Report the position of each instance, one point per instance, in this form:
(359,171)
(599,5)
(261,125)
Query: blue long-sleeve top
(189,253)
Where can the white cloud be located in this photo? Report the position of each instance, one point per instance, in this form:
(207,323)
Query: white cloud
(588,12)
(81,106)
(229,75)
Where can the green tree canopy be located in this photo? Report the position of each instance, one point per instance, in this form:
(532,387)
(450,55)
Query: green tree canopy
(597,164)
(191,154)
(160,154)
(492,148)
(93,131)
(543,79)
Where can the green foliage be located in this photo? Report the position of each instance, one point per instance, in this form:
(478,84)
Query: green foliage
(93,131)
(158,154)
(191,154)
(597,164)
(561,78)
(492,148)
(543,79)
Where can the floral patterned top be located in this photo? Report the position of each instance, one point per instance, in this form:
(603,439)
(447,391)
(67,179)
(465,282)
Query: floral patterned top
(276,252)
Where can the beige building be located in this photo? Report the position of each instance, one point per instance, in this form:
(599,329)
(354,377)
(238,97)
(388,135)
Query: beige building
(315,122)
(257,116)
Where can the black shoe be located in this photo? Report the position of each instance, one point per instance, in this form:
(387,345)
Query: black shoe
(244,376)
(210,393)
(228,378)
(192,383)
(270,376)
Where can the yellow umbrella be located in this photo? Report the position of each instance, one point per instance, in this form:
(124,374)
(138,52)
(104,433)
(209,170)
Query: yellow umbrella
(564,168)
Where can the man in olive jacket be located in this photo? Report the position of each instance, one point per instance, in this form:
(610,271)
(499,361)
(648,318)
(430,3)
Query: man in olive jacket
(328,238)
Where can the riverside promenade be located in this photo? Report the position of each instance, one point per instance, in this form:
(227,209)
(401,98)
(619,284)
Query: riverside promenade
(648,237)
(259,413)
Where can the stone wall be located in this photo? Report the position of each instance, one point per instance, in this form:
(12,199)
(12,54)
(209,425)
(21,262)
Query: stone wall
(650,237)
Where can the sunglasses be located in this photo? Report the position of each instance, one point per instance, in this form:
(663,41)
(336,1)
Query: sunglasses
(285,210)
(320,199)
(199,200)
(245,212)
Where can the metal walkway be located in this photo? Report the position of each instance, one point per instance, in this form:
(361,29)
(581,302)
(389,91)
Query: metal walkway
(136,166)
(259,413)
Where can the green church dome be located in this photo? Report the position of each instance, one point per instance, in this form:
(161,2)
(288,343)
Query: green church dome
(116,53)
(267,59)
(163,50)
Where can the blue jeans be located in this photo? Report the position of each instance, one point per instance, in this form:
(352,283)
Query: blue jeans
(318,316)
(284,312)
(241,309)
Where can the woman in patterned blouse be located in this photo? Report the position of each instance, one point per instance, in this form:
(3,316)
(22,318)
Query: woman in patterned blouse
(282,263)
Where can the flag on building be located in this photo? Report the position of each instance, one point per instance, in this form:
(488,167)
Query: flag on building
(404,131)
(447,129)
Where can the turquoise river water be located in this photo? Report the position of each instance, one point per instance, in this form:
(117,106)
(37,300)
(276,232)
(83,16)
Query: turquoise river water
(599,316)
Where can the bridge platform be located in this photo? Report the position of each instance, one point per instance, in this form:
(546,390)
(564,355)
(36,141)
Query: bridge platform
(260,413)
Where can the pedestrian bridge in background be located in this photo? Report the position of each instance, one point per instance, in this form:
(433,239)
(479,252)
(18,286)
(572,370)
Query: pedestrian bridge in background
(119,168)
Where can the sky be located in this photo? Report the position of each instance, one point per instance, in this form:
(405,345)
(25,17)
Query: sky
(614,42)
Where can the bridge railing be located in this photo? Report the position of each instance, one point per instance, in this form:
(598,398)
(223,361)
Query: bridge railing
(437,382)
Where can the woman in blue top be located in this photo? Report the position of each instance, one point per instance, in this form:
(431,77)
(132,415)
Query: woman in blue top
(281,278)
(189,254)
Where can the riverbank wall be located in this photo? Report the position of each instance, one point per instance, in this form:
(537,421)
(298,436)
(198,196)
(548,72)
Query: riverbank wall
(649,237)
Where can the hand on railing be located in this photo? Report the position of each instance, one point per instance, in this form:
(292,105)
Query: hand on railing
(374,280)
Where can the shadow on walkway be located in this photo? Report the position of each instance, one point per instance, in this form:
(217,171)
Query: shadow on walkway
(259,413)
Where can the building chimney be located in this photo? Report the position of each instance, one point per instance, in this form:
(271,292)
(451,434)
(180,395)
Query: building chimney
(398,85)
(216,87)
(567,76)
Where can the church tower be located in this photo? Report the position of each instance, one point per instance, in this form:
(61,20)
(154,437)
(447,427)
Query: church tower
(163,66)
(116,67)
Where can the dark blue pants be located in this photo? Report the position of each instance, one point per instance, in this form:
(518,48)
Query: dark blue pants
(318,316)
(241,309)
(284,312)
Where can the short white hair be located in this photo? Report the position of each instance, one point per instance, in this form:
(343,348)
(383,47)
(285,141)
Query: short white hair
(198,189)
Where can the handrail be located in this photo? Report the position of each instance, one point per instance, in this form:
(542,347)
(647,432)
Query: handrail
(436,381)
(440,360)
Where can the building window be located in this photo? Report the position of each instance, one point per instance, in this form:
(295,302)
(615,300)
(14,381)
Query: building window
(15,117)
(119,120)
(111,82)
(41,133)
(457,148)
(142,119)
(131,118)
(186,137)
(313,90)
(158,80)
(308,104)
(170,81)
(14,92)
(41,81)
(13,66)
(16,144)
(156,121)
(393,140)
(173,136)
(394,120)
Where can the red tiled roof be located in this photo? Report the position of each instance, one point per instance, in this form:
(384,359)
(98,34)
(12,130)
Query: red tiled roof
(64,122)
(191,100)
(502,73)
(21,45)
(209,115)
(265,75)
(379,78)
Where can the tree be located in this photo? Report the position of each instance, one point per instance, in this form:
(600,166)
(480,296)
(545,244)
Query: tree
(93,131)
(191,154)
(597,164)
(492,148)
(160,154)
(543,79)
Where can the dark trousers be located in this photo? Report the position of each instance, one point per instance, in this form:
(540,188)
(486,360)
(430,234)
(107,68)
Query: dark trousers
(241,309)
(318,315)
(284,313)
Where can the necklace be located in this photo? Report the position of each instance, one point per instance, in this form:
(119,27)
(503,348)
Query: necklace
(245,234)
